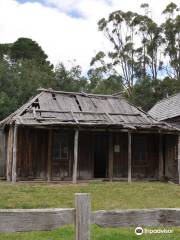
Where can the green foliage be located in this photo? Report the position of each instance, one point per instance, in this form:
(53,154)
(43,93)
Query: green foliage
(128,67)
(171,30)
(152,91)
(26,48)
(101,82)
(139,66)
(70,80)
(19,82)
(4,50)
(23,69)
(144,90)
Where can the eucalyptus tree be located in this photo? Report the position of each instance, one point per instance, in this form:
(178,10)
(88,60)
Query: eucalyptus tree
(119,28)
(171,30)
(149,52)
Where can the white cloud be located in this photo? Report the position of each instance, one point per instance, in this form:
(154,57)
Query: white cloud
(64,37)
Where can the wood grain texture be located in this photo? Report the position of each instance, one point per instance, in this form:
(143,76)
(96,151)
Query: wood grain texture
(9,154)
(76,109)
(76,136)
(14,161)
(139,217)
(83,216)
(49,161)
(179,158)
(18,220)
(2,153)
(129,157)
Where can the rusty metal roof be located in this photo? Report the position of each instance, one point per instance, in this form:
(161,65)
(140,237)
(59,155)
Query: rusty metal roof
(69,108)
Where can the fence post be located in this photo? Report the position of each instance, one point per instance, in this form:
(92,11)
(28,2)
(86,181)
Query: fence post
(83,216)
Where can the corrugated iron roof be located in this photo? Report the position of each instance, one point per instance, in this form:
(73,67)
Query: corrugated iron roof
(166,108)
(69,108)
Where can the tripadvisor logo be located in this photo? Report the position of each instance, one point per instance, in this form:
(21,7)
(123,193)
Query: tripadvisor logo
(139,231)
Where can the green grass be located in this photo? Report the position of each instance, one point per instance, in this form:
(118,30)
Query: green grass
(97,233)
(105,195)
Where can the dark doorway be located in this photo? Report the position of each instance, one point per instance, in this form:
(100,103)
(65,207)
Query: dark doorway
(100,155)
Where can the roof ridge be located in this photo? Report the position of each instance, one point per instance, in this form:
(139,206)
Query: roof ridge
(50,90)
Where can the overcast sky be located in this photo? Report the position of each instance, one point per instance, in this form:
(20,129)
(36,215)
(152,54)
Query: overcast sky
(65,29)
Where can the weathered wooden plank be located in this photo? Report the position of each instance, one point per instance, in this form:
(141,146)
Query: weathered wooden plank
(14,160)
(2,153)
(110,160)
(161,159)
(83,216)
(17,220)
(139,217)
(179,158)
(49,163)
(9,155)
(88,112)
(76,136)
(129,157)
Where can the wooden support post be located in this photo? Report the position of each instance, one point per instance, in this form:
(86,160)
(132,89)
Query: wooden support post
(161,160)
(83,216)
(129,157)
(9,155)
(76,136)
(49,161)
(179,158)
(14,162)
(110,156)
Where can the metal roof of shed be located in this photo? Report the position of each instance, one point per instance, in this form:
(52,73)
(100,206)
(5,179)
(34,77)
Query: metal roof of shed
(166,108)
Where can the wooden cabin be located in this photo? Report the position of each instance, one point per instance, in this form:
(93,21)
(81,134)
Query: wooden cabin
(67,136)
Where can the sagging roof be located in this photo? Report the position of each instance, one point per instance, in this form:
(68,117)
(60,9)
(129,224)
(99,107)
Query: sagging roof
(166,108)
(51,107)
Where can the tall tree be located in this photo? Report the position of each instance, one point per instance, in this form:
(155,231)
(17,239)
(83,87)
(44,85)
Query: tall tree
(120,30)
(27,49)
(23,69)
(136,40)
(148,59)
(171,30)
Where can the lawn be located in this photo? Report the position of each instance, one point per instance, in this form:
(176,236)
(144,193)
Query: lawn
(67,233)
(105,195)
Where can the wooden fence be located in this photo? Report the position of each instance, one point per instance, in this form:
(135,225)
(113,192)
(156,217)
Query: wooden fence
(14,220)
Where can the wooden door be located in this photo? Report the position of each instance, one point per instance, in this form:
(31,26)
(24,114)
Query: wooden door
(120,155)
(139,156)
(60,156)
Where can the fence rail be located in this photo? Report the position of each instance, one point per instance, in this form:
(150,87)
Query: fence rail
(16,220)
